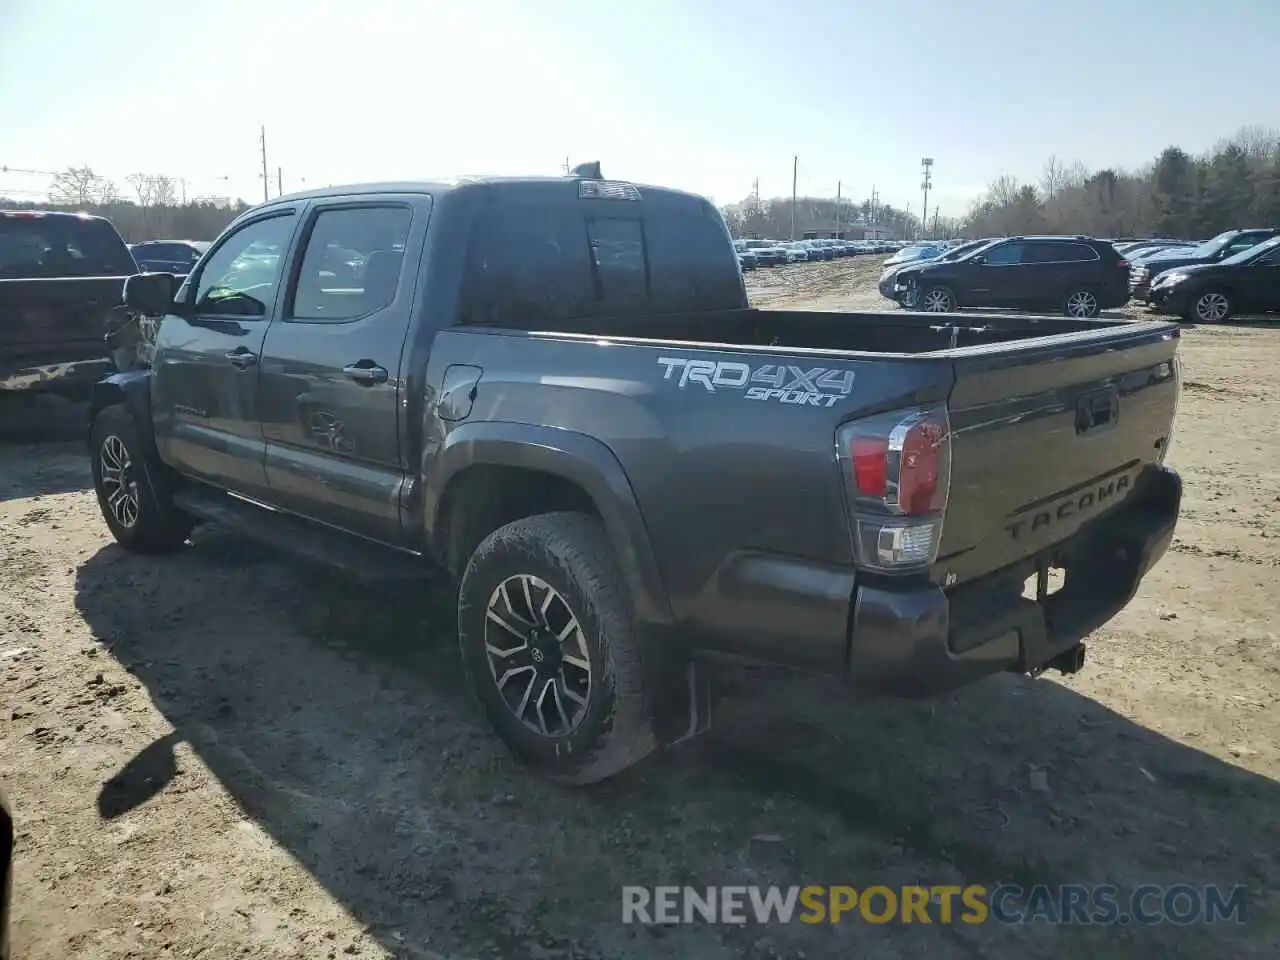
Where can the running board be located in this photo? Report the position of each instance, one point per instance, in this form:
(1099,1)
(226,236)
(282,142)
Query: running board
(362,559)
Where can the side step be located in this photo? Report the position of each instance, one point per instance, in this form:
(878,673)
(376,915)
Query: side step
(354,555)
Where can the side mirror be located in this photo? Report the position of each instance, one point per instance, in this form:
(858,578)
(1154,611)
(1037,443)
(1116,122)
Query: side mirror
(149,293)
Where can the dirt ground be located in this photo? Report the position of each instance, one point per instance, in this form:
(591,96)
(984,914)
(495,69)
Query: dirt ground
(228,754)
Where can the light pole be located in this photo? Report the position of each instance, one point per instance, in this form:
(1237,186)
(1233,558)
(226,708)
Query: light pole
(926,169)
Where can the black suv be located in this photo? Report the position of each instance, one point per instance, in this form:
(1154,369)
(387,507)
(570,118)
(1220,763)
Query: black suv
(1078,275)
(1248,282)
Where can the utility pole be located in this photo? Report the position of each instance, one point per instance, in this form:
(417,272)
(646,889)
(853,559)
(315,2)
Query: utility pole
(875,213)
(266,179)
(839,184)
(566,166)
(935,222)
(926,168)
(795,172)
(279,182)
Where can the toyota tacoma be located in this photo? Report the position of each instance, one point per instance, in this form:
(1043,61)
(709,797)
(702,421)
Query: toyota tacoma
(555,392)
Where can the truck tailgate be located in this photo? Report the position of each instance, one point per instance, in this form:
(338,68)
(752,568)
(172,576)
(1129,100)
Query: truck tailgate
(1047,437)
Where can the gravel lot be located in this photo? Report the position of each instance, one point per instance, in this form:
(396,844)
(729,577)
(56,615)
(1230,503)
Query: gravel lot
(227,754)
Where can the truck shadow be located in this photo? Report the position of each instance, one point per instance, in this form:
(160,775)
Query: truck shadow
(338,720)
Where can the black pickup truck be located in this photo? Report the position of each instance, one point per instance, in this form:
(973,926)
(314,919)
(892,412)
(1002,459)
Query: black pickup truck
(556,391)
(61,276)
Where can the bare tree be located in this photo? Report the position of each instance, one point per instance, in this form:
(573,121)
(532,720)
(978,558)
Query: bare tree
(153,191)
(1053,179)
(78,186)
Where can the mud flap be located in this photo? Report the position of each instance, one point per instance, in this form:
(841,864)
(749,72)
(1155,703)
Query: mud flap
(682,708)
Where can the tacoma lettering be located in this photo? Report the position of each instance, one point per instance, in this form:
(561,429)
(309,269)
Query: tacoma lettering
(1082,503)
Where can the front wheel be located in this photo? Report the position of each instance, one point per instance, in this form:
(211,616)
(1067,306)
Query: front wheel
(1082,304)
(551,649)
(130,483)
(938,300)
(1211,306)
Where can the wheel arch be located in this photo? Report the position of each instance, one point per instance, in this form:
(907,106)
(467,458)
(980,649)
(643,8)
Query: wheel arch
(490,473)
(131,389)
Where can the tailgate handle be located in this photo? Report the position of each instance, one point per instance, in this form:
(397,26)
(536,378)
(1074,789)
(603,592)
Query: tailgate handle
(1098,411)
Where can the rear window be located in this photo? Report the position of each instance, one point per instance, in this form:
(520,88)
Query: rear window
(61,247)
(538,262)
(1056,251)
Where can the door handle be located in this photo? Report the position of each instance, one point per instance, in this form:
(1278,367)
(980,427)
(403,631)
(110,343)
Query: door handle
(242,358)
(365,371)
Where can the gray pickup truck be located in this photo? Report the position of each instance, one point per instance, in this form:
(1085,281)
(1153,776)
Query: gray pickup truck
(555,391)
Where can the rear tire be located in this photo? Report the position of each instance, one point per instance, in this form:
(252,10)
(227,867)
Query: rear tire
(130,482)
(1209,306)
(1081,303)
(551,649)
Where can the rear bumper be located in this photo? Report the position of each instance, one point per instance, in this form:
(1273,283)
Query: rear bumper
(1140,290)
(919,639)
(924,640)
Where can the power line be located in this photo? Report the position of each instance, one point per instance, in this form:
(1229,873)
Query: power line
(926,167)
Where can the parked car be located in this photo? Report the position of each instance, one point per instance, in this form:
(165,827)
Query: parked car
(1076,275)
(1224,245)
(168,256)
(1248,282)
(906,298)
(817,251)
(1134,248)
(1142,250)
(797,252)
(60,280)
(913,253)
(570,419)
(769,253)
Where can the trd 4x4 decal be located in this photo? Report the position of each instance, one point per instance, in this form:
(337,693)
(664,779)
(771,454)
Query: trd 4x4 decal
(785,383)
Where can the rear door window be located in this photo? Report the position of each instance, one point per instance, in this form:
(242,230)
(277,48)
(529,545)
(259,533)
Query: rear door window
(352,264)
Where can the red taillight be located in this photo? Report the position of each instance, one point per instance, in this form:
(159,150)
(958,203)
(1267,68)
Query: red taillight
(1124,264)
(898,468)
(869,468)
(23,214)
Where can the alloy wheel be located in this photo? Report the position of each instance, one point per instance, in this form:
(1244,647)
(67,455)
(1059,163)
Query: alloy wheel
(1082,303)
(119,485)
(938,301)
(537,655)
(1212,307)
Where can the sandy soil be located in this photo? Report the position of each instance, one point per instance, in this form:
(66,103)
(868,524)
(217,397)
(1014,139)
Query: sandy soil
(228,754)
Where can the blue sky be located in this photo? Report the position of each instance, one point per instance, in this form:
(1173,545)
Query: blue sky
(698,94)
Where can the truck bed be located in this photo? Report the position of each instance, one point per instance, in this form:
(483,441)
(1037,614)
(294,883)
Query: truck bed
(867,333)
(1055,423)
